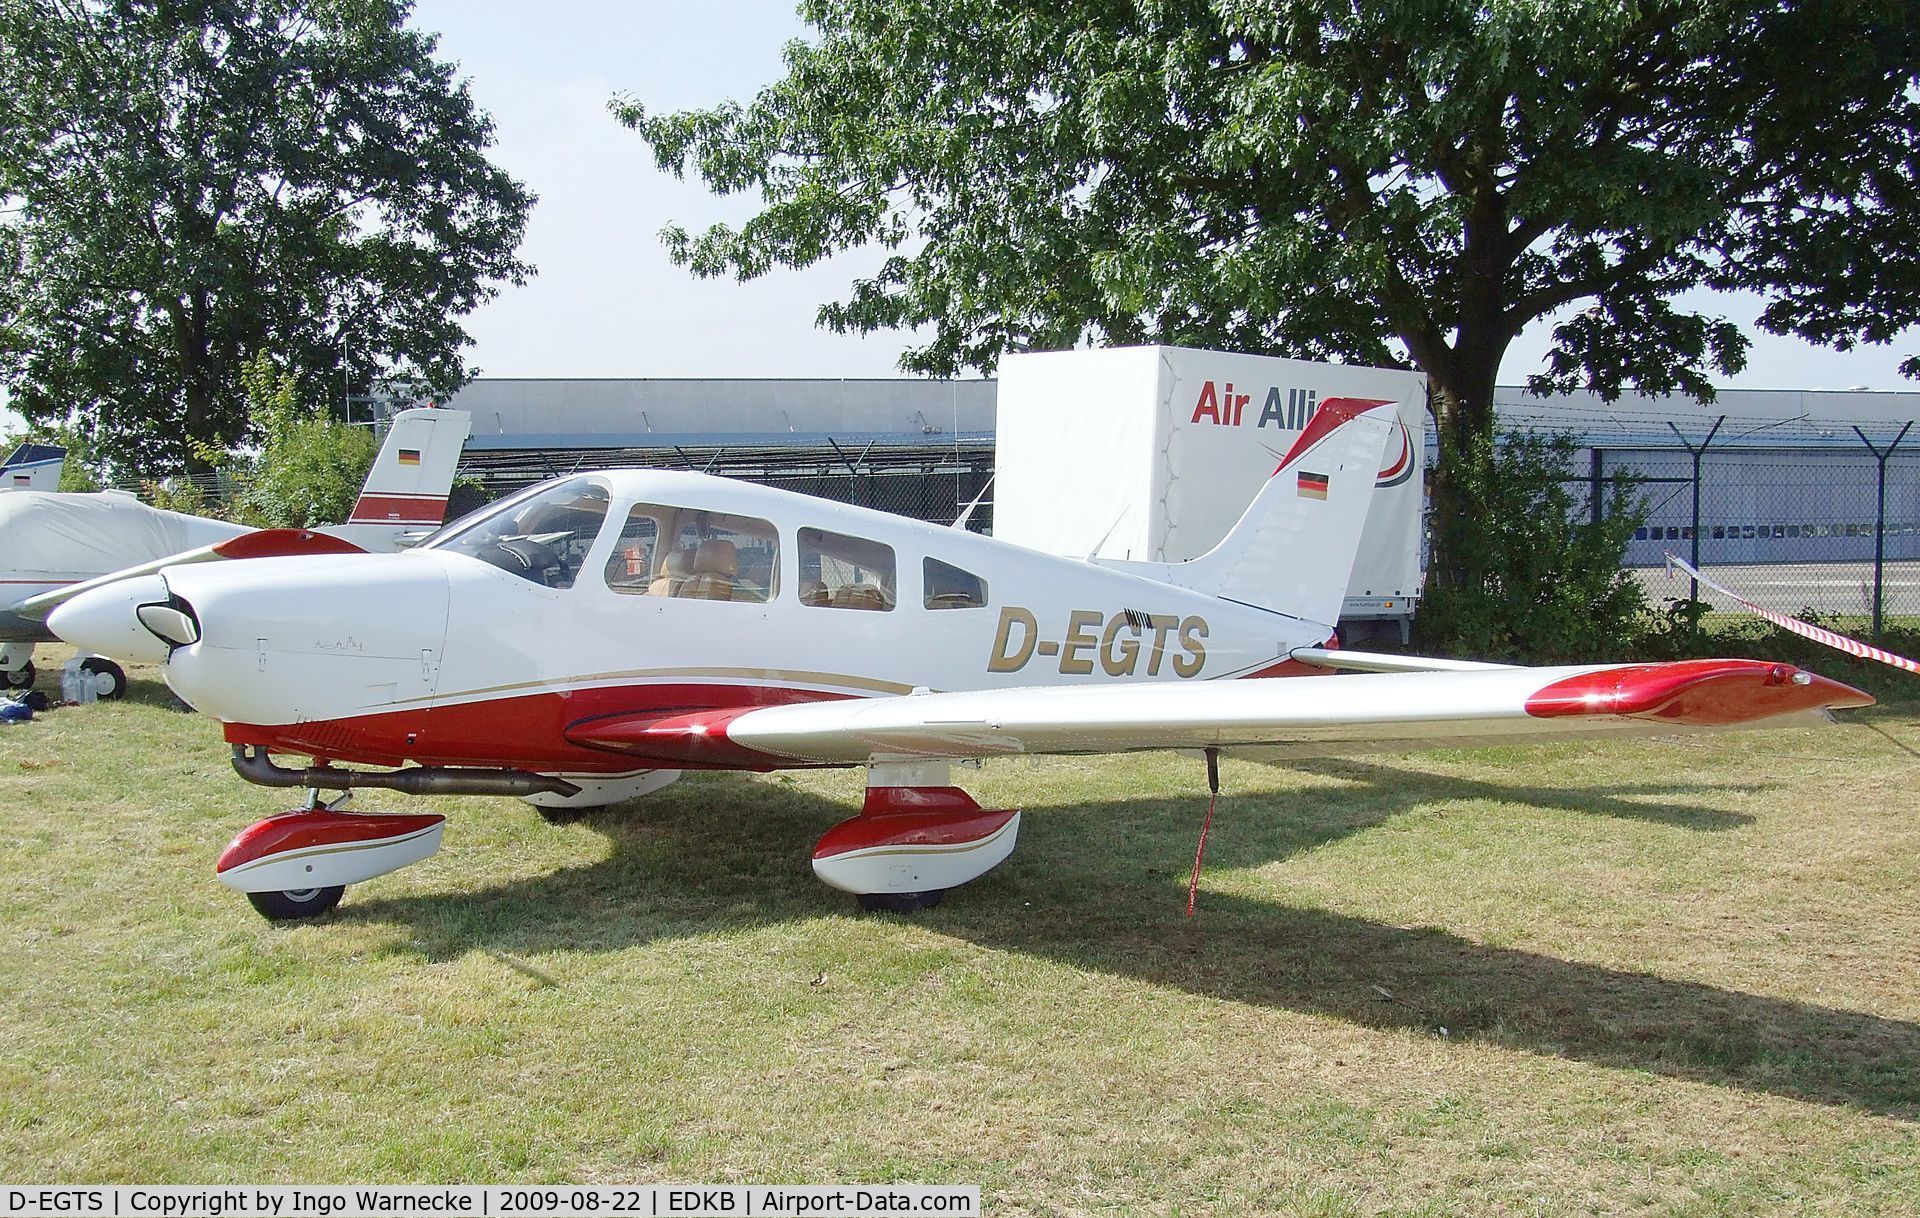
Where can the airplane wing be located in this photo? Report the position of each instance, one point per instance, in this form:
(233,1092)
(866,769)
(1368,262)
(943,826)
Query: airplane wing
(260,543)
(1305,716)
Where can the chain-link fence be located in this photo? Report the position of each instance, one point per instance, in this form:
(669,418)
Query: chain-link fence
(933,483)
(1797,514)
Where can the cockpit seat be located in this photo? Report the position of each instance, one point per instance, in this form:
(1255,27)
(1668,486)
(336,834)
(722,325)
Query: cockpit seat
(715,565)
(675,569)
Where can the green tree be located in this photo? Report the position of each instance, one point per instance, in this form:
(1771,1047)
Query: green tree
(1542,581)
(185,183)
(311,467)
(1394,182)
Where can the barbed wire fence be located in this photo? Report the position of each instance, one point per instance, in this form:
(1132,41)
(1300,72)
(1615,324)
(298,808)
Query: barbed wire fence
(1800,514)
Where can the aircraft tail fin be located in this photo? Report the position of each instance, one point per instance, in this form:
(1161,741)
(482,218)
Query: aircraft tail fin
(407,487)
(33,467)
(1293,549)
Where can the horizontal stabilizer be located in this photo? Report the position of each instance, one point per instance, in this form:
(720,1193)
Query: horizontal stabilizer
(1369,661)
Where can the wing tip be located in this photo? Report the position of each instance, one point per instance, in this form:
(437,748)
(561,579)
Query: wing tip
(1699,693)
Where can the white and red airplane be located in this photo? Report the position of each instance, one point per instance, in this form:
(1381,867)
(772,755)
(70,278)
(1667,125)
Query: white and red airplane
(54,545)
(585,641)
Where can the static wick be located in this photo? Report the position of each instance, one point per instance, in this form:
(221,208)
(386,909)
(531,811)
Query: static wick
(1213,799)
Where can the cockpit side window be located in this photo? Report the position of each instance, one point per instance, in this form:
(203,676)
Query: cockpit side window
(838,571)
(949,587)
(695,555)
(542,537)
(630,567)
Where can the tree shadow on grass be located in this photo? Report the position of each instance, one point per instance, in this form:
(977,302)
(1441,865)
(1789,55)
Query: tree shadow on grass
(1411,788)
(152,691)
(1091,888)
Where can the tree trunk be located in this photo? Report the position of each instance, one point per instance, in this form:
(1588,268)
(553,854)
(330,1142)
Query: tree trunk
(1461,402)
(196,369)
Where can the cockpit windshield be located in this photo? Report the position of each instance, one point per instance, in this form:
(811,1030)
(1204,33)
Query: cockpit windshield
(541,537)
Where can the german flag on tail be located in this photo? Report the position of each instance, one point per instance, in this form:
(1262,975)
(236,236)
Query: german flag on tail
(1312,486)
(409,456)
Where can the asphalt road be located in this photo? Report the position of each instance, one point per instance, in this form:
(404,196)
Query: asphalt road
(1828,587)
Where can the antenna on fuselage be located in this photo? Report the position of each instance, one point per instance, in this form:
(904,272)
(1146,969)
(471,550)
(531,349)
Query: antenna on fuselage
(967,515)
(1101,544)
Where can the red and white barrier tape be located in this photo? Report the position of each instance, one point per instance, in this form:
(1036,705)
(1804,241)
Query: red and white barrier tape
(1805,630)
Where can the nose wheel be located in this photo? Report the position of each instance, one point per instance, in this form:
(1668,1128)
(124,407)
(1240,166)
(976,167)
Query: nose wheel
(297,865)
(291,903)
(109,679)
(19,678)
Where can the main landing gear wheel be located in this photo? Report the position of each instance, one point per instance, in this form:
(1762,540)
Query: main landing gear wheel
(291,903)
(899,902)
(109,679)
(19,678)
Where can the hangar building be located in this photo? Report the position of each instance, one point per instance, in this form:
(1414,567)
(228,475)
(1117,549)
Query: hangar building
(1784,475)
(923,448)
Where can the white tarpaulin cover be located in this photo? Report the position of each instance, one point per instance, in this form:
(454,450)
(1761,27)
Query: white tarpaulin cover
(58,537)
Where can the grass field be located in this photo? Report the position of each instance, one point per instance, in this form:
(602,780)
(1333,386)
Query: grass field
(1670,977)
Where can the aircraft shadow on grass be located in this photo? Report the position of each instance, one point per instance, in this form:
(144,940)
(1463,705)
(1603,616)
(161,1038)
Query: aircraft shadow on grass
(1100,887)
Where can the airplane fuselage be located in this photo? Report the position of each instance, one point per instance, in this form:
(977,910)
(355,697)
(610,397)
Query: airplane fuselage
(440,657)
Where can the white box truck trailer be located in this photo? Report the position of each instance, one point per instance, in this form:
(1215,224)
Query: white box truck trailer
(1154,452)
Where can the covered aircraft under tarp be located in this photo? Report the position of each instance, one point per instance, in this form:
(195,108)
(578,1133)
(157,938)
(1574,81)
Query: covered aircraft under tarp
(45,537)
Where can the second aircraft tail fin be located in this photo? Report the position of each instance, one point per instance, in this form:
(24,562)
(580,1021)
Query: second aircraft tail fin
(407,488)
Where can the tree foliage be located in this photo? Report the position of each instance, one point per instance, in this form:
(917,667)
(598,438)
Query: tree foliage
(310,468)
(1402,181)
(1540,577)
(186,183)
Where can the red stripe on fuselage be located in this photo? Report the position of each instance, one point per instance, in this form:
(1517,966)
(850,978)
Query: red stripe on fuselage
(526,731)
(399,509)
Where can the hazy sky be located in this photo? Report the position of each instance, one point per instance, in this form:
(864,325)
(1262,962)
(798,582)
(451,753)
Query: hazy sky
(606,301)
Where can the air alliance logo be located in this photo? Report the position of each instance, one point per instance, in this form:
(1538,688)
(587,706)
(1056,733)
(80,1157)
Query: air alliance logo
(1222,406)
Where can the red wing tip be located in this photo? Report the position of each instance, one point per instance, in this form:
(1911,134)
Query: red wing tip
(1695,692)
(284,543)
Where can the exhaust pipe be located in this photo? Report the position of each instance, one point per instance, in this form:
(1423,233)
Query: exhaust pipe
(254,765)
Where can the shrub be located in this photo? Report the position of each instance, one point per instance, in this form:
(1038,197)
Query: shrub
(1536,579)
(311,467)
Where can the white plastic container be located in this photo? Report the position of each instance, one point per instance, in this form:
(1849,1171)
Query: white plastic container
(77,684)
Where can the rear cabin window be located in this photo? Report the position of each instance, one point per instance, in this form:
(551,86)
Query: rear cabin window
(838,571)
(695,555)
(948,587)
